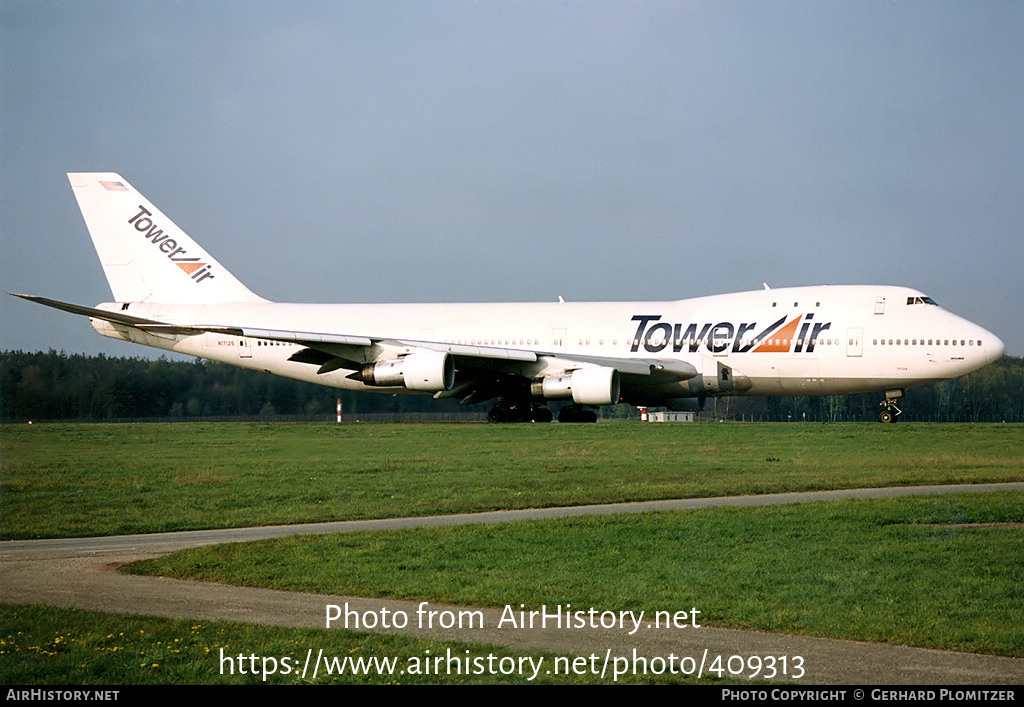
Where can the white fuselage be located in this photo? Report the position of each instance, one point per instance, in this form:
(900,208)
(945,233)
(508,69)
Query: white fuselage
(791,341)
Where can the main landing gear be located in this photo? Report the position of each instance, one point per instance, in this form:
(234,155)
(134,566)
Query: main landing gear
(518,411)
(576,413)
(522,411)
(890,412)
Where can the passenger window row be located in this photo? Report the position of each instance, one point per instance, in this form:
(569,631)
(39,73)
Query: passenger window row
(922,342)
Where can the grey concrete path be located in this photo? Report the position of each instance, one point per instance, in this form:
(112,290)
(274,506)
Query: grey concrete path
(81,572)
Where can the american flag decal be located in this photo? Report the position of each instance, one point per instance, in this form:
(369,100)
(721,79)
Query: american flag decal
(114,186)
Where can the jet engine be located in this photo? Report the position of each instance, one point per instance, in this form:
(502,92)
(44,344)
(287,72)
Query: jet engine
(585,386)
(430,371)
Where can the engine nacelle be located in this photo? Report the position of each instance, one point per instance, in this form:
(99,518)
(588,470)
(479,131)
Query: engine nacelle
(429,371)
(586,386)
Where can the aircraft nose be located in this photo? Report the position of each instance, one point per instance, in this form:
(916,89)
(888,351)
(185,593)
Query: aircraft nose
(994,347)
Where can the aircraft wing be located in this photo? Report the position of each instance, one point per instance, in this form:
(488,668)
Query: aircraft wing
(629,366)
(332,351)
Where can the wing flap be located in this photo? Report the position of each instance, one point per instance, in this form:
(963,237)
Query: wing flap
(301,337)
(465,350)
(680,370)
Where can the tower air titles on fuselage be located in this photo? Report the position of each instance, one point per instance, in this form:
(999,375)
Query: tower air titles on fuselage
(780,337)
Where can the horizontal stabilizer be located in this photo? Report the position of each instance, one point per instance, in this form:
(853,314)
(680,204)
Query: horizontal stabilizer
(115,317)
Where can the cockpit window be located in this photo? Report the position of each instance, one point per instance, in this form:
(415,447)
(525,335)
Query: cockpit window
(921,300)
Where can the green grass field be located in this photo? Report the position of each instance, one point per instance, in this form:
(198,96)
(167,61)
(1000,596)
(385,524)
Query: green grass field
(940,572)
(51,646)
(82,480)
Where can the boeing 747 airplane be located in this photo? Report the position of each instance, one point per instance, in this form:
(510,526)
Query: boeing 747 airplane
(171,294)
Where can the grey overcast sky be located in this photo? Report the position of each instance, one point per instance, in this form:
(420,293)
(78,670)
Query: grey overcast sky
(507,151)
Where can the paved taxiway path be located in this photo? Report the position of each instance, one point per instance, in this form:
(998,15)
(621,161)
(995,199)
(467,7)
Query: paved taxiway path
(81,573)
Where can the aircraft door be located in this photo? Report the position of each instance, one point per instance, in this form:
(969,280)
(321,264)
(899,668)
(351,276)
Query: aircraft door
(854,345)
(558,337)
(244,348)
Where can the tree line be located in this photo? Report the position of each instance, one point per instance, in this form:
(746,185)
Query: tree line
(59,386)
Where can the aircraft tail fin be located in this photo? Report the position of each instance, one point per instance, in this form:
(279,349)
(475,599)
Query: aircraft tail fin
(145,256)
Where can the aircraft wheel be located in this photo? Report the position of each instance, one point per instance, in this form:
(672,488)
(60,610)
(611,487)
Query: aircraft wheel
(509,412)
(541,415)
(886,416)
(575,413)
